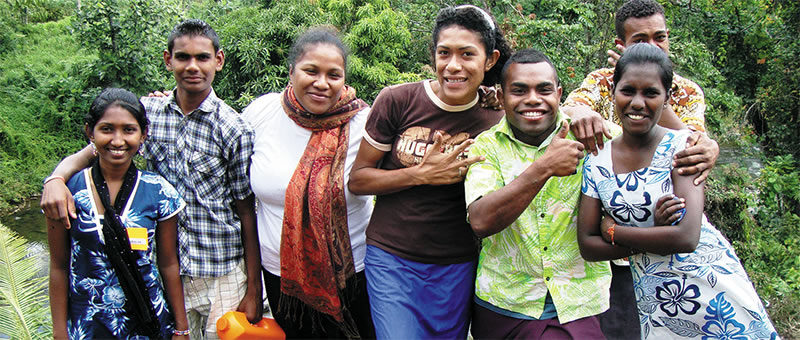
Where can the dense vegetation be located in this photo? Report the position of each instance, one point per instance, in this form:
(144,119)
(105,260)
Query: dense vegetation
(57,54)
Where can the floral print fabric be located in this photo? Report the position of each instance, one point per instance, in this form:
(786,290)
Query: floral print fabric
(538,253)
(96,300)
(705,294)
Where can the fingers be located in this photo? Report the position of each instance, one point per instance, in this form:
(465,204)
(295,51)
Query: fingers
(599,132)
(437,144)
(459,149)
(701,177)
(563,130)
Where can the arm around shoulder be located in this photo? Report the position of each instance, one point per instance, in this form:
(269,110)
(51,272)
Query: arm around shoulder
(57,203)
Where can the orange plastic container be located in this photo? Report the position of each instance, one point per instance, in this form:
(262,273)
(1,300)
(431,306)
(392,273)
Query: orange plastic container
(234,326)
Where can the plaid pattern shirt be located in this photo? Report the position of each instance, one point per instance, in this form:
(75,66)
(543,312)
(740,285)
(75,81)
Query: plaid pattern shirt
(205,155)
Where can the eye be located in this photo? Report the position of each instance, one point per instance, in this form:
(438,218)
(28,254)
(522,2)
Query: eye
(203,57)
(627,91)
(442,52)
(518,90)
(546,90)
(182,57)
(468,54)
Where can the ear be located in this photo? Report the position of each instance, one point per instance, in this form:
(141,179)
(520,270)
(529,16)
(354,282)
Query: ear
(491,60)
(144,135)
(500,97)
(168,60)
(618,41)
(559,92)
(89,133)
(220,56)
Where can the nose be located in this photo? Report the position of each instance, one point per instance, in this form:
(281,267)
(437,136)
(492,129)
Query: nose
(453,65)
(321,82)
(533,99)
(192,65)
(117,139)
(637,102)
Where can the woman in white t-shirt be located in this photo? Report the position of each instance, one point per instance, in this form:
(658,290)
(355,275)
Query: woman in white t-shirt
(311,228)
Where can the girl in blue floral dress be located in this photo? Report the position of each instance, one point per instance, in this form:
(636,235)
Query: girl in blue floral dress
(103,279)
(687,279)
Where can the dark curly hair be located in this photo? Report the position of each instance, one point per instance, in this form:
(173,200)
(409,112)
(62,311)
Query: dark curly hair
(476,20)
(111,97)
(527,56)
(193,28)
(315,36)
(635,9)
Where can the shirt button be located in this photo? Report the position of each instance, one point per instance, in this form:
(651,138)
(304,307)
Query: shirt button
(541,215)
(547,278)
(545,248)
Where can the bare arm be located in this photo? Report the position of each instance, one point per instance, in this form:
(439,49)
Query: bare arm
(670,239)
(497,210)
(252,304)
(167,240)
(591,242)
(436,168)
(57,202)
(59,242)
(699,157)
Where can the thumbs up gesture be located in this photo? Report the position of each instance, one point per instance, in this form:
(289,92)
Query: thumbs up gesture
(562,155)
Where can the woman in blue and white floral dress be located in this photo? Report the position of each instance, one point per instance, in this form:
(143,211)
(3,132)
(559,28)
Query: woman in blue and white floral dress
(687,279)
(87,298)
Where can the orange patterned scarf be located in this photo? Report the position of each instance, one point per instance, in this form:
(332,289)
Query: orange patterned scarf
(316,258)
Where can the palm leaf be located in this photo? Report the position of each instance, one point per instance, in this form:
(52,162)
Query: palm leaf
(24,312)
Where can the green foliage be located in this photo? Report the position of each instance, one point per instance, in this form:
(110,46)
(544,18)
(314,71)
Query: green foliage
(23,295)
(129,37)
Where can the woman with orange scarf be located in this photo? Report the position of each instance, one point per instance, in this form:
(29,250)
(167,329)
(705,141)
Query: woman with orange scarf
(311,228)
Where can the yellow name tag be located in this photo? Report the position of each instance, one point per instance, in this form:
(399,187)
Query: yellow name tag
(138,238)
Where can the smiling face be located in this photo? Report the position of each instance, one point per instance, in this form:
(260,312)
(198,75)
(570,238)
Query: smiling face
(318,77)
(117,137)
(194,63)
(461,61)
(652,30)
(530,97)
(639,98)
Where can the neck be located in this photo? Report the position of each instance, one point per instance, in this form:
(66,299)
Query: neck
(644,141)
(113,173)
(189,102)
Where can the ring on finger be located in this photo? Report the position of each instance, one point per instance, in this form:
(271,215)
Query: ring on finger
(460,174)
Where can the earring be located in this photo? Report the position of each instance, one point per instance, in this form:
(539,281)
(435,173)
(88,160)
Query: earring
(140,152)
(94,149)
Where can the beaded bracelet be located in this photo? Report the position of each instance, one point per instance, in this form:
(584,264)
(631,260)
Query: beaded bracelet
(610,232)
(180,333)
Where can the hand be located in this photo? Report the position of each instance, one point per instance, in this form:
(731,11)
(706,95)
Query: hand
(165,93)
(613,57)
(588,127)
(563,155)
(489,98)
(698,157)
(57,203)
(668,210)
(252,305)
(439,168)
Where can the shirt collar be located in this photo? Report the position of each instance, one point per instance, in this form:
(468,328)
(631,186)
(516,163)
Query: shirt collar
(504,128)
(444,106)
(208,105)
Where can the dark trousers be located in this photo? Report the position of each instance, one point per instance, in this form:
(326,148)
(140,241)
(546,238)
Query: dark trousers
(326,328)
(621,320)
(486,324)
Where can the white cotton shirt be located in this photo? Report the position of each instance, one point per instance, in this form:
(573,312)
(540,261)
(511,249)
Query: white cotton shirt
(279,144)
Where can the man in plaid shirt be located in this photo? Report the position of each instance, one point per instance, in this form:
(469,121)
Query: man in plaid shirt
(202,147)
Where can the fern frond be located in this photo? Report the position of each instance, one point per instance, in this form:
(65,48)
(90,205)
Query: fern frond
(24,312)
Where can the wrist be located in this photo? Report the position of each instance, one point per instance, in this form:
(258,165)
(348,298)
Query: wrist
(183,332)
(54,177)
(610,232)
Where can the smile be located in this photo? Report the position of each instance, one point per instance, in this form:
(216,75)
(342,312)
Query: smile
(634,116)
(117,152)
(532,114)
(460,80)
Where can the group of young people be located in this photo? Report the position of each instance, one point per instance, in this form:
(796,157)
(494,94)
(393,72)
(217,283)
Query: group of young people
(419,217)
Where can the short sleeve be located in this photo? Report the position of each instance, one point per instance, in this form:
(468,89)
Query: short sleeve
(594,92)
(482,177)
(239,149)
(689,103)
(588,185)
(170,202)
(381,129)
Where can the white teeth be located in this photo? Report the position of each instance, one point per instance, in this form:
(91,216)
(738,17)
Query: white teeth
(117,152)
(455,80)
(531,114)
(635,117)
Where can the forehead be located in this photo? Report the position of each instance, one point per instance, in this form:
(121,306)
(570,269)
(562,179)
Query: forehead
(458,37)
(193,44)
(117,114)
(530,74)
(644,25)
(641,75)
(322,55)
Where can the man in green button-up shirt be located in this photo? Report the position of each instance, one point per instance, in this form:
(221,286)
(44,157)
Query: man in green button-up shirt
(523,201)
